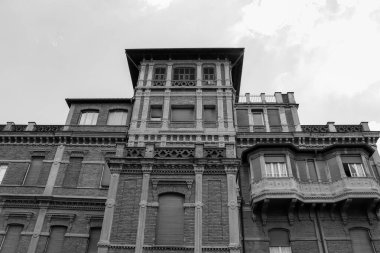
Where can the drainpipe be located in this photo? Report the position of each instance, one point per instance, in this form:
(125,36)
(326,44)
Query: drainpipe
(319,232)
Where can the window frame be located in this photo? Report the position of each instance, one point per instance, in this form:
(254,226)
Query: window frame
(110,112)
(210,107)
(261,113)
(159,76)
(174,107)
(90,111)
(354,169)
(185,76)
(276,171)
(154,107)
(207,76)
(4,168)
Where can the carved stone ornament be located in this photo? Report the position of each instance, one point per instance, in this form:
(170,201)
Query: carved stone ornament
(232,204)
(110,203)
(198,205)
(143,204)
(231,169)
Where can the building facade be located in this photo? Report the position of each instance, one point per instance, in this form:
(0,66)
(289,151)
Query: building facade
(188,165)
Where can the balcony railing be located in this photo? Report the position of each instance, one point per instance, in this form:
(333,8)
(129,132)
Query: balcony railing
(184,83)
(361,187)
(158,83)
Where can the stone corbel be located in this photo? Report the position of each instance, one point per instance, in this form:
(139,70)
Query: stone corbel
(291,211)
(343,210)
(264,209)
(371,207)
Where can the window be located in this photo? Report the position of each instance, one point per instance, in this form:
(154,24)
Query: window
(274,117)
(361,242)
(72,172)
(12,238)
(159,73)
(156,112)
(106,177)
(170,219)
(3,170)
(209,113)
(56,239)
(34,171)
(208,73)
(258,118)
(117,118)
(182,113)
(184,74)
(275,166)
(279,241)
(88,118)
(353,166)
(93,240)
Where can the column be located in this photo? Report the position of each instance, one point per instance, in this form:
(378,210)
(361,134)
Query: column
(229,104)
(284,124)
(136,109)
(166,109)
(199,74)
(266,120)
(199,109)
(150,75)
(227,73)
(145,109)
(109,210)
(146,169)
(198,170)
(218,74)
(169,74)
(54,170)
(233,209)
(219,96)
(140,82)
(37,228)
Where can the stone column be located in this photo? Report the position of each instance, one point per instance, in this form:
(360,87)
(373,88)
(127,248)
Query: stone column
(140,82)
(219,96)
(227,73)
(169,74)
(233,209)
(147,169)
(136,109)
(266,120)
(37,228)
(229,104)
(104,240)
(145,109)
(199,109)
(199,74)
(166,110)
(150,75)
(218,74)
(198,170)
(54,170)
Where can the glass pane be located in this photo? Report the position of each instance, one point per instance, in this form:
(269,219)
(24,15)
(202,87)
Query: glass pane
(258,119)
(117,118)
(3,169)
(88,118)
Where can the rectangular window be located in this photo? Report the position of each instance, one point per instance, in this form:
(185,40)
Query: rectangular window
(353,166)
(56,239)
(105,177)
(117,118)
(275,166)
(34,171)
(72,172)
(258,118)
(159,73)
(184,74)
(3,170)
(156,112)
(274,117)
(280,250)
(11,241)
(209,113)
(93,240)
(208,73)
(88,118)
(182,113)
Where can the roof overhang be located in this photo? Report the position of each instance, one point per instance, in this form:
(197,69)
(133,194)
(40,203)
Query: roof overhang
(234,55)
(70,101)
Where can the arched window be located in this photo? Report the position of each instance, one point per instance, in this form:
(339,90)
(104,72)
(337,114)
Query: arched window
(89,117)
(117,118)
(12,238)
(170,219)
(93,240)
(361,242)
(56,239)
(279,241)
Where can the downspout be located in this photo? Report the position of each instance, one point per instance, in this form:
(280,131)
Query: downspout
(319,233)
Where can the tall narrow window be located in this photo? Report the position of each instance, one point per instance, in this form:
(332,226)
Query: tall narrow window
(279,241)
(156,112)
(117,118)
(208,73)
(159,73)
(274,117)
(184,74)
(258,118)
(353,166)
(72,172)
(88,118)
(275,166)
(34,171)
(182,113)
(361,242)
(209,113)
(3,170)
(170,223)
(93,240)
(106,176)
(56,239)
(12,238)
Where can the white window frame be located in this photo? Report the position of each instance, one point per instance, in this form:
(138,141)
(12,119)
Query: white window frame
(277,169)
(3,171)
(356,170)
(280,249)
(88,118)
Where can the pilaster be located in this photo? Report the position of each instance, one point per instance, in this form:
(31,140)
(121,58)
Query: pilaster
(296,120)
(218,74)
(136,109)
(284,124)
(140,82)
(145,109)
(227,73)
(229,98)
(54,170)
(199,74)
(37,229)
(146,169)
(233,209)
(266,120)
(198,170)
(150,75)
(220,109)
(169,74)
(166,109)
(199,109)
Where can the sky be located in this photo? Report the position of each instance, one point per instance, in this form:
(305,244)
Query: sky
(327,52)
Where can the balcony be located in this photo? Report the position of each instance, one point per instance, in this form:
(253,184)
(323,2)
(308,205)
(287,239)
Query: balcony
(328,192)
(184,83)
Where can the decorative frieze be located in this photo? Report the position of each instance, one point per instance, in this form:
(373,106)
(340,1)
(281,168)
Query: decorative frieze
(174,153)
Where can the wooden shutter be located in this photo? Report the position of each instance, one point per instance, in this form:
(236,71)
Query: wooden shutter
(12,238)
(106,176)
(361,243)
(274,117)
(170,220)
(56,239)
(242,118)
(72,172)
(34,171)
(278,238)
(183,114)
(94,239)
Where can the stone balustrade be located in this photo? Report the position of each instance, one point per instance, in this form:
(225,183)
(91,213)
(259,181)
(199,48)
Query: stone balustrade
(315,192)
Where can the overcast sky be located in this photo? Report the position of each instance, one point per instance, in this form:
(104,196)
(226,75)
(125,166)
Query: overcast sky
(327,52)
